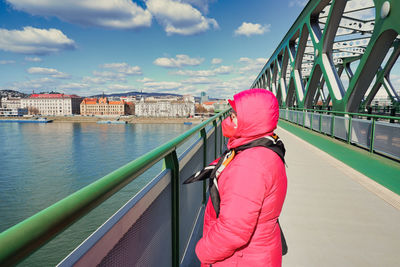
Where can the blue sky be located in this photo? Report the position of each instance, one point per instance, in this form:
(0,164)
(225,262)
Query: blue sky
(88,47)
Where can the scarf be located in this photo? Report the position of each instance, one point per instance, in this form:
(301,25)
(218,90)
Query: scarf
(212,171)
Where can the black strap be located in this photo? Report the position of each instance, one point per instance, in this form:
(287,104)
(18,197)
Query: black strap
(277,146)
(283,240)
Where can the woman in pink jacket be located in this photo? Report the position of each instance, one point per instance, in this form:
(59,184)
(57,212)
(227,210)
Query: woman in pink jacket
(252,189)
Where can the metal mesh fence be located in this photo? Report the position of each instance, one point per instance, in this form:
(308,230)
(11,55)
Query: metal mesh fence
(210,148)
(149,236)
(315,121)
(307,122)
(326,124)
(291,115)
(361,132)
(387,139)
(218,135)
(281,113)
(341,127)
(300,118)
(190,198)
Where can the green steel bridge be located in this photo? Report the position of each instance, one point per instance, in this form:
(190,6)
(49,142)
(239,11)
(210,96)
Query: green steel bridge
(343,202)
(338,54)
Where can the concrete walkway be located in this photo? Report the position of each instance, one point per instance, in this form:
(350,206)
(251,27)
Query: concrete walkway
(330,218)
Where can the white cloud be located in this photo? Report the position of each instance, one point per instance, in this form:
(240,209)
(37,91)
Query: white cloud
(199,80)
(145,80)
(123,68)
(33,59)
(216,61)
(75,86)
(115,72)
(45,83)
(5,62)
(195,73)
(162,86)
(245,60)
(34,41)
(110,76)
(205,73)
(95,80)
(119,14)
(120,87)
(251,66)
(178,61)
(223,70)
(179,18)
(201,4)
(249,29)
(234,86)
(298,3)
(47,71)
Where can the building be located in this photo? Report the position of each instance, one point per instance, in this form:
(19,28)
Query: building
(10,102)
(130,98)
(52,104)
(13,112)
(188,98)
(209,106)
(164,108)
(203,97)
(102,106)
(221,105)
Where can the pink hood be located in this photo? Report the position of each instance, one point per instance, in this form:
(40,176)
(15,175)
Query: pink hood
(257,114)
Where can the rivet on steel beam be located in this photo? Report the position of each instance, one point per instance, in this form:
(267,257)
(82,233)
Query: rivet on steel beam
(385,10)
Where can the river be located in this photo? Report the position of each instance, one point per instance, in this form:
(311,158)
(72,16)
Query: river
(43,163)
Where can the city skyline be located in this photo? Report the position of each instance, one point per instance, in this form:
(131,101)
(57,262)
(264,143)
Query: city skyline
(182,47)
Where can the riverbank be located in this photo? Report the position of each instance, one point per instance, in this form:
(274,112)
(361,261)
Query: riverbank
(128,119)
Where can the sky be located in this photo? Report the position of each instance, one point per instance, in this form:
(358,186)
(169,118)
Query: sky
(88,47)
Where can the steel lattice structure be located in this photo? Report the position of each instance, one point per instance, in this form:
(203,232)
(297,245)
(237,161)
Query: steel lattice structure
(337,51)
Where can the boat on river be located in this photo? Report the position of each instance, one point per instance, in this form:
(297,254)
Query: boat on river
(112,122)
(38,120)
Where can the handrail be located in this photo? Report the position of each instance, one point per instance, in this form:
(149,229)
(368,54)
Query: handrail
(348,113)
(349,129)
(19,241)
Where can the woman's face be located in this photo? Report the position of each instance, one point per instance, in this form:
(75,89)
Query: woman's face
(234,118)
(229,125)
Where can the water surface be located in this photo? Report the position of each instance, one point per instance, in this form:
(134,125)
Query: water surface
(43,163)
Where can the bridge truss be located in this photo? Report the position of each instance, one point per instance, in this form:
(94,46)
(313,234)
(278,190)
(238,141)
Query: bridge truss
(338,53)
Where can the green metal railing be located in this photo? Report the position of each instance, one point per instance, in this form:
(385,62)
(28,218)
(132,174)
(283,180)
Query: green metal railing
(350,116)
(21,240)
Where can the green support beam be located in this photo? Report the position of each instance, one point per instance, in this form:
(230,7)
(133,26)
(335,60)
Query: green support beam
(327,38)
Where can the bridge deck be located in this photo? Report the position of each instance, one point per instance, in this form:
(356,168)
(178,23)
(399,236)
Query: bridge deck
(330,218)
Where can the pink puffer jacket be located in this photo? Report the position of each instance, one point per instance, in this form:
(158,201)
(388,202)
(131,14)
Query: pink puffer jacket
(252,190)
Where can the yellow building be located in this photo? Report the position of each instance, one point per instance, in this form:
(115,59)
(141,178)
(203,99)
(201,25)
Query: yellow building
(102,106)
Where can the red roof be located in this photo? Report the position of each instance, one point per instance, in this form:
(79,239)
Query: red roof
(94,101)
(53,96)
(116,102)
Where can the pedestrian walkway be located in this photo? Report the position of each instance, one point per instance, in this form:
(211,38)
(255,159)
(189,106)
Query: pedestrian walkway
(333,215)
